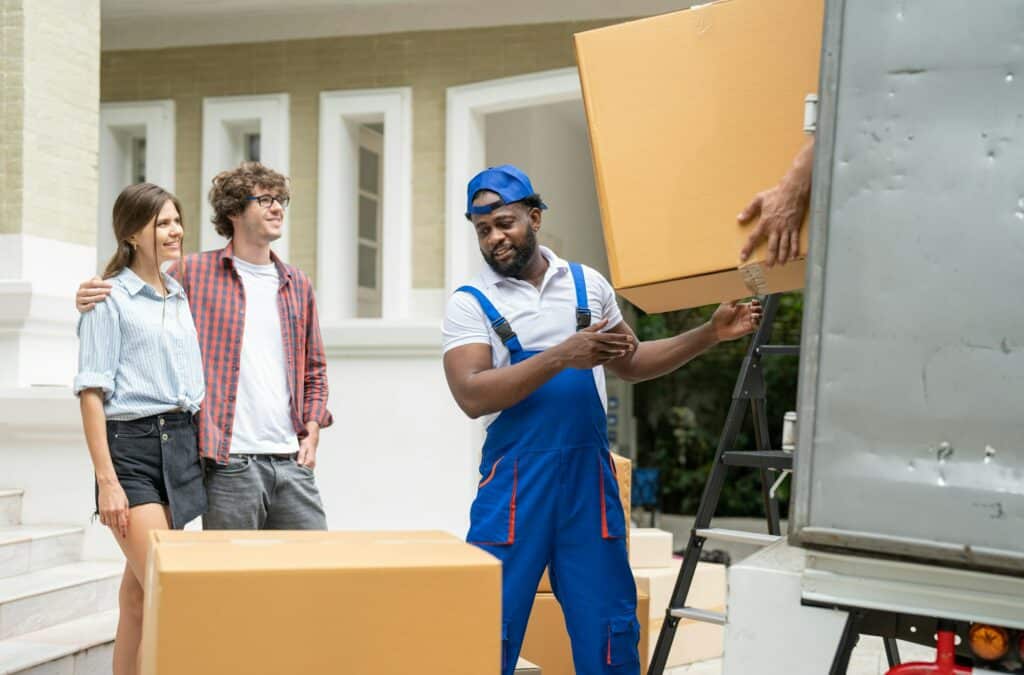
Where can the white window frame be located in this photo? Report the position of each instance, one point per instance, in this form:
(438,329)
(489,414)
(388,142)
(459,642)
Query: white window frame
(152,120)
(342,113)
(468,106)
(222,117)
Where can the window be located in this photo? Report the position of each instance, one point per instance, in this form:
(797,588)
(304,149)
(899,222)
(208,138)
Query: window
(136,145)
(240,129)
(364,209)
(370,181)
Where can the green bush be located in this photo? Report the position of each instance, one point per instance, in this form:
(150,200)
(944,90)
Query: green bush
(680,416)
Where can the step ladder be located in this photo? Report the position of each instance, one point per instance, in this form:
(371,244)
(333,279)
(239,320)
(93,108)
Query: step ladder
(750,388)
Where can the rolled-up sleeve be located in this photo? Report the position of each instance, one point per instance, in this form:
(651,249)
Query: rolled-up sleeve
(99,349)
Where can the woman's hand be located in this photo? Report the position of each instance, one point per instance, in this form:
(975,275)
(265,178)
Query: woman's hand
(113,503)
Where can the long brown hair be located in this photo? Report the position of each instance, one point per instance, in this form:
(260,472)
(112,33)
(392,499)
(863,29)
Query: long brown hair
(135,207)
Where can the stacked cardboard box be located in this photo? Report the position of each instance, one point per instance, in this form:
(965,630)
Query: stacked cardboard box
(267,603)
(656,571)
(691,114)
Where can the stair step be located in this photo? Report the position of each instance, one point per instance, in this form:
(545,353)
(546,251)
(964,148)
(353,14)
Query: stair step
(38,600)
(702,615)
(29,548)
(10,507)
(738,536)
(81,642)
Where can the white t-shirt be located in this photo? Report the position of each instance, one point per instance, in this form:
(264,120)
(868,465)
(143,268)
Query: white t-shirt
(541,318)
(263,422)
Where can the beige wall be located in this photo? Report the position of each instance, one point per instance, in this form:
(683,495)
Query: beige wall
(49,112)
(429,62)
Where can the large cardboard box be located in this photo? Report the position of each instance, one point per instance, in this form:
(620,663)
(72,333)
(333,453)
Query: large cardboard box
(691,114)
(547,640)
(267,603)
(624,477)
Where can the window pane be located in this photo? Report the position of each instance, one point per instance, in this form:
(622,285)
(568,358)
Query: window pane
(252,147)
(369,167)
(368,218)
(139,160)
(367,266)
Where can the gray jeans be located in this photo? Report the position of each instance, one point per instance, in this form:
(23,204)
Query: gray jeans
(262,492)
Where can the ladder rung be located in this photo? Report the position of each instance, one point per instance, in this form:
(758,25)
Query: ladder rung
(779,350)
(699,615)
(767,459)
(740,536)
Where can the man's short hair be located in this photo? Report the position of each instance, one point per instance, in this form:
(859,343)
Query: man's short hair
(231,190)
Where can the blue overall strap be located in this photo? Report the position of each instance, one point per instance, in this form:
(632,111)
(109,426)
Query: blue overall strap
(498,322)
(582,307)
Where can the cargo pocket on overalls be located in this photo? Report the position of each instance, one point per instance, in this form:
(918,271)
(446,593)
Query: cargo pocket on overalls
(623,636)
(493,514)
(613,518)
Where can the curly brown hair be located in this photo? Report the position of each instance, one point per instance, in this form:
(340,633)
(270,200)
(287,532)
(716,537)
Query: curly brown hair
(231,189)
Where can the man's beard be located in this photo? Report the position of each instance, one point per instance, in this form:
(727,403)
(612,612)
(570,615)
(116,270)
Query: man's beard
(515,266)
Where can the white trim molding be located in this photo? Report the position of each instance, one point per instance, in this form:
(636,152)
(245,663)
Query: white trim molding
(38,279)
(120,123)
(225,119)
(468,106)
(341,115)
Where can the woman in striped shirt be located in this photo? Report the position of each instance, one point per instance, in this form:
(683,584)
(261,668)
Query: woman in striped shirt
(140,383)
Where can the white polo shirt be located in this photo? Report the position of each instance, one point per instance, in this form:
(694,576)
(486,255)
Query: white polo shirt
(541,318)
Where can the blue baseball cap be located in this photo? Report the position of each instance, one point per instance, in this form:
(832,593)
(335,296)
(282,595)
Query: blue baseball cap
(508,182)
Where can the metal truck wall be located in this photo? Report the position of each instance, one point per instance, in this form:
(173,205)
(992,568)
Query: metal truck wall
(911,438)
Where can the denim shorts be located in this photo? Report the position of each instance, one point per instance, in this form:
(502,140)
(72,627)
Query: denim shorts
(156,460)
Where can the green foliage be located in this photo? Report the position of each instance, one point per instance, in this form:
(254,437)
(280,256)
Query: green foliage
(680,416)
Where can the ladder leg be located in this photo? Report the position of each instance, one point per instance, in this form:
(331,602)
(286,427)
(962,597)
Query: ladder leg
(759,415)
(749,386)
(851,633)
(892,651)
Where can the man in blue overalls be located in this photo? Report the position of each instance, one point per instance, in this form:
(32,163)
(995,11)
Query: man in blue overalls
(524,346)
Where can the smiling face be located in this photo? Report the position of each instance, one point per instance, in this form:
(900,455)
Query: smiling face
(260,224)
(160,240)
(507,236)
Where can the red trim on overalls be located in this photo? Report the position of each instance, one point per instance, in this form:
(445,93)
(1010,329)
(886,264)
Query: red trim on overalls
(491,476)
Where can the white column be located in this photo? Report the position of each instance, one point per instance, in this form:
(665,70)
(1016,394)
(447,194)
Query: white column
(49,121)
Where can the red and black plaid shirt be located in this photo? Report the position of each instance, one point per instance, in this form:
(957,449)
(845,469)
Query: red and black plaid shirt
(217,299)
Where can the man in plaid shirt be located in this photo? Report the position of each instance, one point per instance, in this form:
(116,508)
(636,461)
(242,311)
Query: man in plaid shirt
(263,360)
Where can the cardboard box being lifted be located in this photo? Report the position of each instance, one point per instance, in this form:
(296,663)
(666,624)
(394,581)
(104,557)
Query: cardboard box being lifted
(691,114)
(267,603)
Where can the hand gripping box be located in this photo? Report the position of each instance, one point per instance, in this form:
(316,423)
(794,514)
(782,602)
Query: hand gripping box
(273,602)
(691,114)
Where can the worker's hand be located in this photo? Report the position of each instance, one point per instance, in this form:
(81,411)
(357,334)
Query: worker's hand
(590,347)
(781,210)
(734,320)
(90,292)
(113,507)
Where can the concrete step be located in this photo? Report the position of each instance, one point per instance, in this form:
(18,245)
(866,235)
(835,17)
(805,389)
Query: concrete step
(30,548)
(10,507)
(80,647)
(38,600)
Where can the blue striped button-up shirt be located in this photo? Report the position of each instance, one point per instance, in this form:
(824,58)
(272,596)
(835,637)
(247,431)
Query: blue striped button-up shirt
(141,350)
